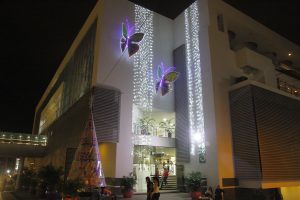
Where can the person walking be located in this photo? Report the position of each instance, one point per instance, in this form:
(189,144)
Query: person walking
(165,177)
(149,188)
(155,193)
(218,193)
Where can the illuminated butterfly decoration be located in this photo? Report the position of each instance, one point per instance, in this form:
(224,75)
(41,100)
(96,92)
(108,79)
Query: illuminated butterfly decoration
(130,41)
(166,76)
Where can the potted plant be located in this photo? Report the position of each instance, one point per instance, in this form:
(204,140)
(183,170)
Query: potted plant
(168,125)
(193,182)
(72,188)
(127,184)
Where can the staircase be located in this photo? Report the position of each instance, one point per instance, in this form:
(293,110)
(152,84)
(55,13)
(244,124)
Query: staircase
(171,184)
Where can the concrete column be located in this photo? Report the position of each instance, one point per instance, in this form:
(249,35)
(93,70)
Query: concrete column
(21,164)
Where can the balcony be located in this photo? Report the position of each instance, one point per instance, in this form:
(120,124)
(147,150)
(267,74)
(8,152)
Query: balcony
(288,87)
(154,136)
(256,66)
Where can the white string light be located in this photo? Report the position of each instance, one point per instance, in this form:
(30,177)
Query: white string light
(143,83)
(195,99)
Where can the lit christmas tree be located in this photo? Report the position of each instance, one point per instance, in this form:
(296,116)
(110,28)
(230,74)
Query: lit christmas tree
(87,164)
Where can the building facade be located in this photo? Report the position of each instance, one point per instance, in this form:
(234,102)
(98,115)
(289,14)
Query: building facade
(194,127)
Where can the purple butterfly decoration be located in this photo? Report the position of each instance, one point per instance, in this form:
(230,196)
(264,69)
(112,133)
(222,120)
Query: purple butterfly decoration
(166,76)
(130,41)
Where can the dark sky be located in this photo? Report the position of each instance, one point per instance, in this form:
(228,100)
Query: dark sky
(34,37)
(36,34)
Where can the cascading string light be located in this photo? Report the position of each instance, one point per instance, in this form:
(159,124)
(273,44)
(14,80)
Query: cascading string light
(195,98)
(143,83)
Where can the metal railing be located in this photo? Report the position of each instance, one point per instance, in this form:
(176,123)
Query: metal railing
(23,138)
(154,131)
(288,88)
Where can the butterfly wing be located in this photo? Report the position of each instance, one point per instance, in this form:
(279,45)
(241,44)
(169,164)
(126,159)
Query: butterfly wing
(132,45)
(157,86)
(170,69)
(124,30)
(171,77)
(137,37)
(159,72)
(132,48)
(123,43)
(164,87)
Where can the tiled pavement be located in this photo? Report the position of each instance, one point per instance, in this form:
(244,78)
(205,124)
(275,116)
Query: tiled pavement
(6,196)
(163,196)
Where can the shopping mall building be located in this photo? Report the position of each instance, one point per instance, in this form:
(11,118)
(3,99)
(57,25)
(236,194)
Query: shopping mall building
(233,113)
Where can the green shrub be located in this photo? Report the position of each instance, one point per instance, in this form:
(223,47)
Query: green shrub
(127,183)
(193,181)
(72,187)
(50,176)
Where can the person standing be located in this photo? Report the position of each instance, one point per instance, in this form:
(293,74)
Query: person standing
(155,193)
(218,193)
(149,188)
(209,193)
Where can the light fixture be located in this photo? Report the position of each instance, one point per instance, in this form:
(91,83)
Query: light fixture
(194,79)
(290,54)
(143,83)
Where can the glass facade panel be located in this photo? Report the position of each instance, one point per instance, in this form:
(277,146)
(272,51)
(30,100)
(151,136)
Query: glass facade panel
(77,75)
(74,81)
(152,161)
(52,110)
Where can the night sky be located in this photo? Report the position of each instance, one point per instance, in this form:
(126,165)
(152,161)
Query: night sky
(36,34)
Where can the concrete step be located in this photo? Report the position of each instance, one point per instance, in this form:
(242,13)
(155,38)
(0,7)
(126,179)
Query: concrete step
(171,183)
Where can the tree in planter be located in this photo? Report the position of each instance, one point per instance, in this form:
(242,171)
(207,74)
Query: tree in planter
(144,123)
(33,185)
(27,177)
(168,125)
(51,180)
(193,182)
(127,184)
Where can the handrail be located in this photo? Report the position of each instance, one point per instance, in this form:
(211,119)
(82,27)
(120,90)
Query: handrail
(23,138)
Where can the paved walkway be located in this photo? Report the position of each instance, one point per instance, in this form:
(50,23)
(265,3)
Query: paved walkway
(6,196)
(163,196)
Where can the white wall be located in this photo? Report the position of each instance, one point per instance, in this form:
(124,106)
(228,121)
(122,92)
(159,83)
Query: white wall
(162,52)
(223,66)
(210,168)
(154,140)
(110,19)
(247,57)
(113,14)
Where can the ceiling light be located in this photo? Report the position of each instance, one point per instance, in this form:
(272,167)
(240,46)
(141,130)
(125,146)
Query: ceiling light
(290,54)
